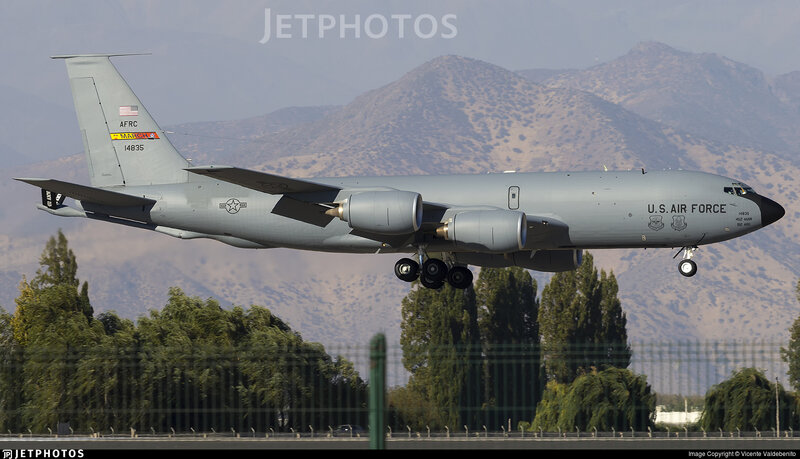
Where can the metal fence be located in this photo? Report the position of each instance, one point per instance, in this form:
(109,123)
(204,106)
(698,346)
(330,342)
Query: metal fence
(197,390)
(691,367)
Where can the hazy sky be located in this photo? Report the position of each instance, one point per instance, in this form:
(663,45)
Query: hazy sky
(208,61)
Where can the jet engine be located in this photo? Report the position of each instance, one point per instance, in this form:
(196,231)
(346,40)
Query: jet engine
(537,260)
(383,212)
(497,231)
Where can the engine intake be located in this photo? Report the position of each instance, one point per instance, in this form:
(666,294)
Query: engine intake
(498,231)
(383,212)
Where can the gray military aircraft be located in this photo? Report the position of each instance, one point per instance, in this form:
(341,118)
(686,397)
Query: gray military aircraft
(538,221)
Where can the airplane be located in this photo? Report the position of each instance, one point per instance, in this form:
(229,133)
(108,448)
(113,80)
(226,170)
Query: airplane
(440,224)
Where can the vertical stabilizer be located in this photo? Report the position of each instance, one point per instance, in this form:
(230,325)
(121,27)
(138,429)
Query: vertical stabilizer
(123,144)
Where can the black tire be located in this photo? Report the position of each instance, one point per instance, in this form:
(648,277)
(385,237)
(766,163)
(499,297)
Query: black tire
(430,283)
(459,277)
(406,269)
(434,269)
(687,267)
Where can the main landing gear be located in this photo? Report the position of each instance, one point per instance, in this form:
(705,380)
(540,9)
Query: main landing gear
(687,267)
(433,273)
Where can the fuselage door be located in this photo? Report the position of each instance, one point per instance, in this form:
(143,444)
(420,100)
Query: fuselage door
(513,197)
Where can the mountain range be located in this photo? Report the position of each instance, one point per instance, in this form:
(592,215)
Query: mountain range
(706,95)
(653,108)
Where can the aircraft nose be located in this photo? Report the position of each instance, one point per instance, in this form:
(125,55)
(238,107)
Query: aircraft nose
(771,211)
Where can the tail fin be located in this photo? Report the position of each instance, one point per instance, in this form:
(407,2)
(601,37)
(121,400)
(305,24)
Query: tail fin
(123,144)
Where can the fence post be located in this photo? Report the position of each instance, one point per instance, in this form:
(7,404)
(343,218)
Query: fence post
(377,391)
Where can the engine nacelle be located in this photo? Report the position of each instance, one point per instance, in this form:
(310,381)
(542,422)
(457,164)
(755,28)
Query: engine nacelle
(498,231)
(542,260)
(383,212)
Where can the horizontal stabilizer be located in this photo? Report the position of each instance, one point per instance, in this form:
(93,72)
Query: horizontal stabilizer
(88,194)
(261,181)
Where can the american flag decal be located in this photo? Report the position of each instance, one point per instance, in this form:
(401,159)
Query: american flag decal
(129,110)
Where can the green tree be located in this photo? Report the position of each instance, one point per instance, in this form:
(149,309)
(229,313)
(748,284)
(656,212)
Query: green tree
(508,320)
(106,379)
(613,398)
(550,407)
(193,364)
(186,365)
(613,349)
(286,382)
(11,366)
(407,407)
(205,367)
(441,349)
(53,294)
(582,323)
(747,401)
(54,325)
(791,354)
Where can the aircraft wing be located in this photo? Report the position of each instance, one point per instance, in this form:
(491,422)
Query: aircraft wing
(261,181)
(292,205)
(54,191)
(303,200)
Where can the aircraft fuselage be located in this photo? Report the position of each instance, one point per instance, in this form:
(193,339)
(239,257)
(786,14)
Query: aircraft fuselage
(573,210)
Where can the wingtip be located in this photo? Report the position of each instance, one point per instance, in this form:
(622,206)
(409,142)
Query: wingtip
(69,56)
(30,180)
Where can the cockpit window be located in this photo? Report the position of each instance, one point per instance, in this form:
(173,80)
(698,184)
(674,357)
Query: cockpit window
(738,189)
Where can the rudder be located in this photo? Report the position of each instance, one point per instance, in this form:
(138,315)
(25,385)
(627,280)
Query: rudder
(122,142)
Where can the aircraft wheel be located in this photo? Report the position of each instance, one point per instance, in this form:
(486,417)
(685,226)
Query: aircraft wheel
(459,277)
(687,267)
(429,283)
(406,269)
(434,269)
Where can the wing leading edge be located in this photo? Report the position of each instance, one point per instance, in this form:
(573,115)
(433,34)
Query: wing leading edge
(261,181)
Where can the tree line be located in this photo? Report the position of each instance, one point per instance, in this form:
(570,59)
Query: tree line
(500,356)
(497,355)
(193,365)
(749,401)
(493,355)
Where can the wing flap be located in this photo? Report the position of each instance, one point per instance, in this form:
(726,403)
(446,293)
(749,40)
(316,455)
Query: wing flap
(303,211)
(84,193)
